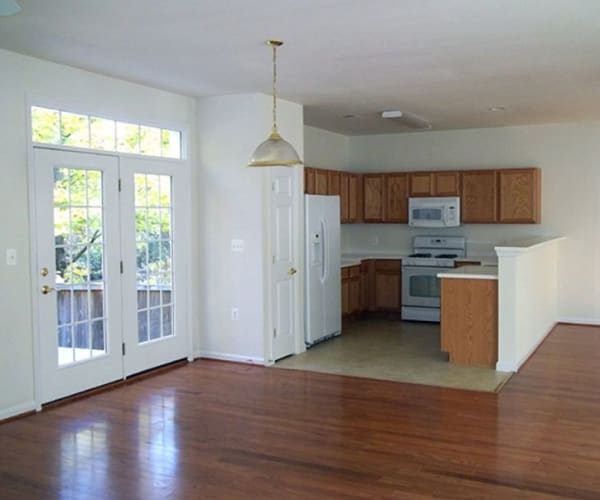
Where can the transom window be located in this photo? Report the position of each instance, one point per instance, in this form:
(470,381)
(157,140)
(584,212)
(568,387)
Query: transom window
(54,126)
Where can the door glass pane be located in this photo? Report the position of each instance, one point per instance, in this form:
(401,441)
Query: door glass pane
(154,240)
(424,286)
(79,250)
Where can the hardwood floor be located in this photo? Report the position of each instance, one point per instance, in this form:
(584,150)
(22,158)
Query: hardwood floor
(221,430)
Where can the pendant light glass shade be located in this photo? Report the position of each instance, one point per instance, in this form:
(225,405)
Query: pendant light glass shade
(275,151)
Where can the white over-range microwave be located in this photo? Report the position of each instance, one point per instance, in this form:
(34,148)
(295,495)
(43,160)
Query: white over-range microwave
(434,212)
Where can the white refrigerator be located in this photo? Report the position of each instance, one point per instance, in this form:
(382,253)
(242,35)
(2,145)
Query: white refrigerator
(323,296)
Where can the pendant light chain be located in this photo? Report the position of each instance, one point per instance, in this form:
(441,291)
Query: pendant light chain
(275,151)
(274,88)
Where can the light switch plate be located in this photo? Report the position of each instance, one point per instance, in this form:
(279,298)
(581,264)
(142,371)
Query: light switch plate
(237,246)
(11,256)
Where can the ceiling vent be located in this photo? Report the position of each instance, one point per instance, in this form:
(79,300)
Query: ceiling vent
(405,119)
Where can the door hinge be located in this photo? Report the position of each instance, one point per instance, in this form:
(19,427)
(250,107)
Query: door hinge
(123,348)
(121,266)
(119,183)
(274,332)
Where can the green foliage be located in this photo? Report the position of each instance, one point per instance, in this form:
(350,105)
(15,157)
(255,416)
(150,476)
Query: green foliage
(51,126)
(78,226)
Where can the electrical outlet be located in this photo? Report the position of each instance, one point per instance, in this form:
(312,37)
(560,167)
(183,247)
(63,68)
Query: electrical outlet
(235,314)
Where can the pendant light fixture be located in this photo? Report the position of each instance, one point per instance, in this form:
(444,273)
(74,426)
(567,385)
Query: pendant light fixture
(275,151)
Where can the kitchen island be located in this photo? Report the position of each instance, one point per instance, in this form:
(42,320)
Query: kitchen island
(469,315)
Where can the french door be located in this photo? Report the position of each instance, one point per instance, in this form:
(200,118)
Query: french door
(107,287)
(154,272)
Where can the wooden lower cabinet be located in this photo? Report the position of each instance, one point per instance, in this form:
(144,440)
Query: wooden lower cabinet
(388,285)
(351,299)
(469,321)
(374,285)
(367,285)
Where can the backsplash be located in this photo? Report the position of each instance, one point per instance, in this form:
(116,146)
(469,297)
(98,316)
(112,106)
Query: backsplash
(397,238)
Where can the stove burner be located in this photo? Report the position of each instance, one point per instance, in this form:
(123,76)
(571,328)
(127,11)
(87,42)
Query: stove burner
(446,256)
(421,255)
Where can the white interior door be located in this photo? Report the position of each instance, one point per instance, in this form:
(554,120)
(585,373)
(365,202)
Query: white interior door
(77,282)
(155,238)
(284,273)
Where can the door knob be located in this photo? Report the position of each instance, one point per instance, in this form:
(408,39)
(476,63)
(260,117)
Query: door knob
(47,289)
(292,271)
(44,271)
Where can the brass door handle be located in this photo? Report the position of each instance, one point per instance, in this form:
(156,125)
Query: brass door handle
(292,271)
(47,289)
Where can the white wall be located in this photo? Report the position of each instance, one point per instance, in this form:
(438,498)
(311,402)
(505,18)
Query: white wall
(232,204)
(528,299)
(569,155)
(76,90)
(327,149)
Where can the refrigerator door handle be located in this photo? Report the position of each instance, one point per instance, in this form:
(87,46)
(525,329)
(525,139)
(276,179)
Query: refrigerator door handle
(323,250)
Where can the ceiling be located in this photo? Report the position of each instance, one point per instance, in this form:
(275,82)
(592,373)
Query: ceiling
(447,61)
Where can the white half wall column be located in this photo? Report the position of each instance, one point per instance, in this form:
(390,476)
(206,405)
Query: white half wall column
(528,298)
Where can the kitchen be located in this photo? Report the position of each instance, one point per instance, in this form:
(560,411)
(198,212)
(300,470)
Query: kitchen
(376,255)
(229,198)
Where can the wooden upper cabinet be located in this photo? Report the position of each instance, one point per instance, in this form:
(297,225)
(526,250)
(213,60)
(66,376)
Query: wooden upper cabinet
(421,184)
(320,181)
(355,196)
(396,198)
(479,197)
(350,197)
(519,196)
(446,183)
(309,180)
(333,182)
(373,197)
(344,197)
(434,183)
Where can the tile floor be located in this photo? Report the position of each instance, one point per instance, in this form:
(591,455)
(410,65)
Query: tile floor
(393,350)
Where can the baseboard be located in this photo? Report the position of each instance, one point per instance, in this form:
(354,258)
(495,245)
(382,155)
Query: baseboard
(17,410)
(224,356)
(505,366)
(577,320)
(515,366)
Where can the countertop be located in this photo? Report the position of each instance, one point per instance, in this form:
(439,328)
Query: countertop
(349,260)
(471,272)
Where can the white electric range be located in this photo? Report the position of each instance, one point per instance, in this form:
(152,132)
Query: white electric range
(420,284)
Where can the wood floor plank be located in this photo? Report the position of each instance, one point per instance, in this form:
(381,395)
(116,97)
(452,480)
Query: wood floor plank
(223,430)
